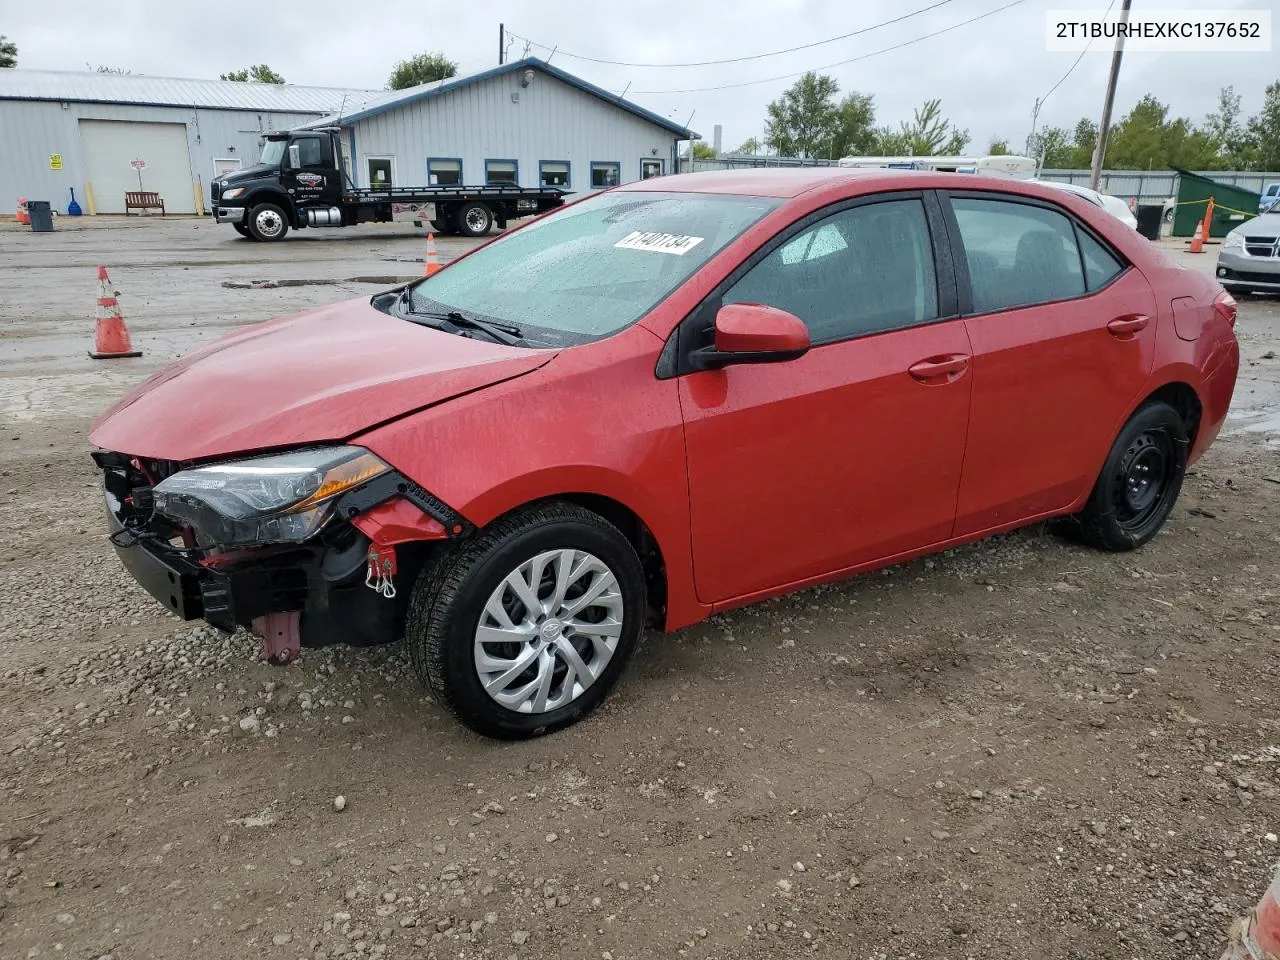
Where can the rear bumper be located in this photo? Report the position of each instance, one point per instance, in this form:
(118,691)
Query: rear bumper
(228,214)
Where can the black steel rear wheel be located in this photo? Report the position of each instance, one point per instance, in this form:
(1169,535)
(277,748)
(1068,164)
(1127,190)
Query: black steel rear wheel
(1139,483)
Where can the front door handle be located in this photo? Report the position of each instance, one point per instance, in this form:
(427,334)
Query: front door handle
(939,369)
(1125,327)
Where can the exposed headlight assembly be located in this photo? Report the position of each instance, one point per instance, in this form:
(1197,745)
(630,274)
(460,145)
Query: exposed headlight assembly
(232,193)
(284,498)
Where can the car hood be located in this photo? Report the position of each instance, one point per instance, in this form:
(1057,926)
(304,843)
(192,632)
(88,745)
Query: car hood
(321,375)
(233,177)
(1266,225)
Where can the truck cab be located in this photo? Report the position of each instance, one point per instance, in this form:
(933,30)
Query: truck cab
(295,171)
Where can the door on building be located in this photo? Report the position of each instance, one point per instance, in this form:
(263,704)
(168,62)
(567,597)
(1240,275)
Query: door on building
(651,168)
(162,166)
(381,172)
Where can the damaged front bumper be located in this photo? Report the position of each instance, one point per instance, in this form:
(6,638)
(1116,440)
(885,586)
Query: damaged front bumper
(313,593)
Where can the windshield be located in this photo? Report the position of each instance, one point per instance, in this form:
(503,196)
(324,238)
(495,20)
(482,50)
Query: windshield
(272,152)
(595,267)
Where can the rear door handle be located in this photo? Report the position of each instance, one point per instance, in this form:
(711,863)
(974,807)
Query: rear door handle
(939,369)
(1124,327)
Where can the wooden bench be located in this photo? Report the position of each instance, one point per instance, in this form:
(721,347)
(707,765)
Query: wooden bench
(142,200)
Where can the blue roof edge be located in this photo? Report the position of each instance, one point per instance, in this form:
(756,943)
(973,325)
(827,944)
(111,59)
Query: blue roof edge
(531,63)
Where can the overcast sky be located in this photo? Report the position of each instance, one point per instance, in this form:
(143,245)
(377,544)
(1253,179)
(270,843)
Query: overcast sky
(988,73)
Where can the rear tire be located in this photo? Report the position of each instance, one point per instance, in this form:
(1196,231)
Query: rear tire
(268,223)
(474,219)
(1139,483)
(521,579)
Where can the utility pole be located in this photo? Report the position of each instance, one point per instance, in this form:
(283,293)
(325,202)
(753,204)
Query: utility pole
(1104,126)
(501,42)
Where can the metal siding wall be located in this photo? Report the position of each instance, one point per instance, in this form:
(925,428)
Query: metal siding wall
(552,121)
(34,129)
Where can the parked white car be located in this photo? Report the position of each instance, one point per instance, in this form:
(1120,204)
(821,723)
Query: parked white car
(1113,205)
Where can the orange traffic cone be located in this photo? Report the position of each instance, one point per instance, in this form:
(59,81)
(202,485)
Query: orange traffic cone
(112,335)
(432,265)
(23,216)
(1257,936)
(1197,240)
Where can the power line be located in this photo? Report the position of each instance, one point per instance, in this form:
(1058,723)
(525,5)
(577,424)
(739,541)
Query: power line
(841,63)
(754,56)
(1077,63)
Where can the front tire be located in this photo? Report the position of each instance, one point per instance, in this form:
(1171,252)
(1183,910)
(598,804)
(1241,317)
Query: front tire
(1139,483)
(525,628)
(267,223)
(241,229)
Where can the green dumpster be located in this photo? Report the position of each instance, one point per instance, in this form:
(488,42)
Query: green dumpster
(1232,206)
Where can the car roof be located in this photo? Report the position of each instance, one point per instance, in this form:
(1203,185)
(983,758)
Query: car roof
(790,182)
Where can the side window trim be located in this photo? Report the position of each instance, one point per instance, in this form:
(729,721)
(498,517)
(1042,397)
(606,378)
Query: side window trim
(674,362)
(964,286)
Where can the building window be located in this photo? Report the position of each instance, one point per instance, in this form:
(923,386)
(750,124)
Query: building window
(651,168)
(499,172)
(553,173)
(380,175)
(444,172)
(604,175)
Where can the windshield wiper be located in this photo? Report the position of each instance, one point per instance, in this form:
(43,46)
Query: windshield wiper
(506,333)
(502,332)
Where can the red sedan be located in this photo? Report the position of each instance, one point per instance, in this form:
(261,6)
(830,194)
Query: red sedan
(660,402)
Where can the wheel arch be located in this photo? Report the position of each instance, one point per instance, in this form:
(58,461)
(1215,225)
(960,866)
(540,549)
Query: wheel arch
(632,526)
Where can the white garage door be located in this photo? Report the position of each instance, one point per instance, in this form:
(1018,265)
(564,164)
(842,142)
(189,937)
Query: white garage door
(111,146)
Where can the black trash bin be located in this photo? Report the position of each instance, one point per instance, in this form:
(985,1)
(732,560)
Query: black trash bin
(41,213)
(1150,216)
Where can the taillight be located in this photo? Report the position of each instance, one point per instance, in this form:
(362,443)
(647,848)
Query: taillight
(1225,306)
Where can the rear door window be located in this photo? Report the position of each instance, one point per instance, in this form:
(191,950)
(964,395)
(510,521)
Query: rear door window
(1018,254)
(1100,264)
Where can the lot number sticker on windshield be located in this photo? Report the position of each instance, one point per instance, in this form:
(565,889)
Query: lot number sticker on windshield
(658,242)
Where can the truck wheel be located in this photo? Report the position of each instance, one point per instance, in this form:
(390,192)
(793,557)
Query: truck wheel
(267,222)
(440,226)
(241,229)
(474,219)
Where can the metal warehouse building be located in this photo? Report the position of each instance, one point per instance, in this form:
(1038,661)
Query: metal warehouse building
(525,122)
(105,134)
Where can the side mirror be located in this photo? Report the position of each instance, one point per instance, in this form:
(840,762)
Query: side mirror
(295,157)
(754,333)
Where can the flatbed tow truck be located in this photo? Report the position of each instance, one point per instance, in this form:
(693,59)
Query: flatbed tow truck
(300,182)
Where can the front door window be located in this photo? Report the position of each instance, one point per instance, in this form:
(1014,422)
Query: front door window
(380,177)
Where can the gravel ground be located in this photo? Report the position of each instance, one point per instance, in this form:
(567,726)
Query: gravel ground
(1017,749)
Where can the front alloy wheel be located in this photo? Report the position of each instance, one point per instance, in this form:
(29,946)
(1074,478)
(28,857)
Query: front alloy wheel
(548,631)
(526,626)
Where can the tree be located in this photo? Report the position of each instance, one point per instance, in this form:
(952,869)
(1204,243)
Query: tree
(855,135)
(701,150)
(8,52)
(930,134)
(1146,139)
(750,147)
(1263,132)
(1224,128)
(1052,148)
(258,73)
(887,142)
(424,68)
(998,148)
(1083,139)
(804,121)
